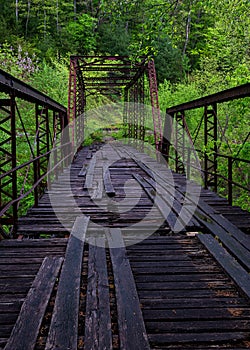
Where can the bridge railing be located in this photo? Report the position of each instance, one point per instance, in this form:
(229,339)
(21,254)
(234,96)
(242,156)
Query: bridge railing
(31,125)
(224,173)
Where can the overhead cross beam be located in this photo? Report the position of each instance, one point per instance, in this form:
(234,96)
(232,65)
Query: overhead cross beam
(119,75)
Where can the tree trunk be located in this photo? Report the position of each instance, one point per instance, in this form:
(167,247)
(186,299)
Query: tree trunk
(28,17)
(188,26)
(57,17)
(45,24)
(75,10)
(16,12)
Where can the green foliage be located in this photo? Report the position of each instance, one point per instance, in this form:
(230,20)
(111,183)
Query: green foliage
(52,79)
(80,35)
(20,62)
(113,39)
(168,61)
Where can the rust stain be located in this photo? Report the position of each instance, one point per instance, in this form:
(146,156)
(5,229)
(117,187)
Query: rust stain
(235,312)
(225,293)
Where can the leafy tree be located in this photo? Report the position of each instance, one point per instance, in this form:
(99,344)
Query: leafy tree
(80,35)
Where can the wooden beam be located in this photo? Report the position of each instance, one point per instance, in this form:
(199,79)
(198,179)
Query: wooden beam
(98,334)
(132,332)
(109,189)
(229,264)
(26,329)
(63,331)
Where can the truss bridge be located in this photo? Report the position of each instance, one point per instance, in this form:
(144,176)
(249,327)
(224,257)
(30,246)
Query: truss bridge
(120,226)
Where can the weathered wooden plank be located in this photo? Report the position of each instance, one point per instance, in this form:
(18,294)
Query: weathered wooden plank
(198,314)
(5,331)
(176,303)
(3,341)
(240,236)
(236,248)
(98,333)
(182,293)
(98,190)
(53,242)
(230,265)
(213,326)
(89,155)
(109,189)
(203,207)
(26,329)
(173,200)
(162,264)
(90,174)
(8,318)
(64,324)
(189,285)
(165,210)
(82,172)
(193,337)
(195,277)
(132,332)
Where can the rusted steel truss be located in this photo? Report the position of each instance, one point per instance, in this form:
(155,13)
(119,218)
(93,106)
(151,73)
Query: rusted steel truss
(40,136)
(114,76)
(209,149)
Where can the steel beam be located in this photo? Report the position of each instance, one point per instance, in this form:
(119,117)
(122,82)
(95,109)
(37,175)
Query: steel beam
(219,97)
(180,142)
(210,138)
(11,85)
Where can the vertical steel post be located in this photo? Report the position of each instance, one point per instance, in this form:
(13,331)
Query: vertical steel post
(48,144)
(141,108)
(125,112)
(56,117)
(72,99)
(36,164)
(136,112)
(180,142)
(36,194)
(130,113)
(230,180)
(14,162)
(210,141)
(155,105)
(166,140)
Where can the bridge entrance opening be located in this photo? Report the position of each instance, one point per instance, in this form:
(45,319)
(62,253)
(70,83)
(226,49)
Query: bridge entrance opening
(102,80)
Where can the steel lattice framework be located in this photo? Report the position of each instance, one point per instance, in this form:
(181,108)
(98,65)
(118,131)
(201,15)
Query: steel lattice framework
(114,76)
(209,134)
(42,135)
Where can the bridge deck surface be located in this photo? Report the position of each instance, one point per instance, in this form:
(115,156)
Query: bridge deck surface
(135,282)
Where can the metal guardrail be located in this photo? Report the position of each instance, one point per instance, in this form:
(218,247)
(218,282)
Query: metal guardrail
(210,121)
(219,97)
(50,118)
(12,85)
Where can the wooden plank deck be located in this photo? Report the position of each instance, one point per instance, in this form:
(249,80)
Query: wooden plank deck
(169,290)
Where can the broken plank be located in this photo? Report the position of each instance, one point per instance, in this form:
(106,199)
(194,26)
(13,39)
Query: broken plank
(90,174)
(109,189)
(229,264)
(98,333)
(64,324)
(83,171)
(27,327)
(132,332)
(232,245)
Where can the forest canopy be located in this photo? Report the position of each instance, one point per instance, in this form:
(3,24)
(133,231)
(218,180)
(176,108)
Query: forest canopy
(208,40)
